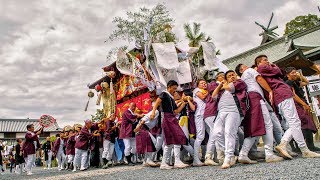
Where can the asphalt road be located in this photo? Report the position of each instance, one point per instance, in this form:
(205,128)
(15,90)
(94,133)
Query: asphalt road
(299,168)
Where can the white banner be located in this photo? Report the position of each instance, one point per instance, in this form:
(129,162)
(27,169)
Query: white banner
(124,65)
(184,72)
(166,55)
(209,55)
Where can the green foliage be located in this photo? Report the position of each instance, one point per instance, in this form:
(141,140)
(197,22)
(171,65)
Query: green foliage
(194,35)
(98,116)
(113,51)
(132,27)
(301,23)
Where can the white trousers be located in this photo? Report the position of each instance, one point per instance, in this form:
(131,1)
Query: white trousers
(61,158)
(108,149)
(70,158)
(267,138)
(80,159)
(225,132)
(48,162)
(129,146)
(31,158)
(209,128)
(288,110)
(159,142)
(200,128)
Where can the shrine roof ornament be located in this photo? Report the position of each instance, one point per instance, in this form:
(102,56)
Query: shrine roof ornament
(268,34)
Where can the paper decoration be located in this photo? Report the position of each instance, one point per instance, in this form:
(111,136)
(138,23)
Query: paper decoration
(166,62)
(46,121)
(184,72)
(124,65)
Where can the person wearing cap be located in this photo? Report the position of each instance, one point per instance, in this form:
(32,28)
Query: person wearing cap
(129,118)
(82,146)
(58,150)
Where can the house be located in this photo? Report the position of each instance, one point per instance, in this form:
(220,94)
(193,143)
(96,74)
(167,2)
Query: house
(11,129)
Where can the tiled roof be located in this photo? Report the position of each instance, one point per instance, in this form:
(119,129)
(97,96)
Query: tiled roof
(20,125)
(308,38)
(277,49)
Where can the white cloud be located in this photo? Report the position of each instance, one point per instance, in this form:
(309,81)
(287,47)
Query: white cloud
(50,50)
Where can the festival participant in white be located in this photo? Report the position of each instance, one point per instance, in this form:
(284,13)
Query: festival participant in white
(209,116)
(296,81)
(108,141)
(126,131)
(172,132)
(59,151)
(82,146)
(283,99)
(30,146)
(257,121)
(199,95)
(232,108)
(70,150)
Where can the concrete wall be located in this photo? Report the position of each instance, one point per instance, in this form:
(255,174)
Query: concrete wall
(20,135)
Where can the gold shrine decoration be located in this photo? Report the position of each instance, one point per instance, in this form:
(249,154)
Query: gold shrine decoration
(108,99)
(142,101)
(127,85)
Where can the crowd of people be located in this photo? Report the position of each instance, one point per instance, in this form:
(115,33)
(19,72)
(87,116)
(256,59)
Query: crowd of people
(219,123)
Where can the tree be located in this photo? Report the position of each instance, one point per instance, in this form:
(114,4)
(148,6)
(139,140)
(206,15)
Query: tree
(98,116)
(301,23)
(132,27)
(194,35)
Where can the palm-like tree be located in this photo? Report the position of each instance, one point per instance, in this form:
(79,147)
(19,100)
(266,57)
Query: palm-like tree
(194,35)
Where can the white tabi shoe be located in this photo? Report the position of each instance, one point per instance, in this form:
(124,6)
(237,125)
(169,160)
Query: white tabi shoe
(246,160)
(209,161)
(197,162)
(151,163)
(220,156)
(165,166)
(226,165)
(180,165)
(273,158)
(306,153)
(282,149)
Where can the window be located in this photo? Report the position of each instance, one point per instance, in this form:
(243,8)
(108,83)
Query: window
(45,134)
(10,135)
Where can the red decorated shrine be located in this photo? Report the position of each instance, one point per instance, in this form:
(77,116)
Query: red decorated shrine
(127,89)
